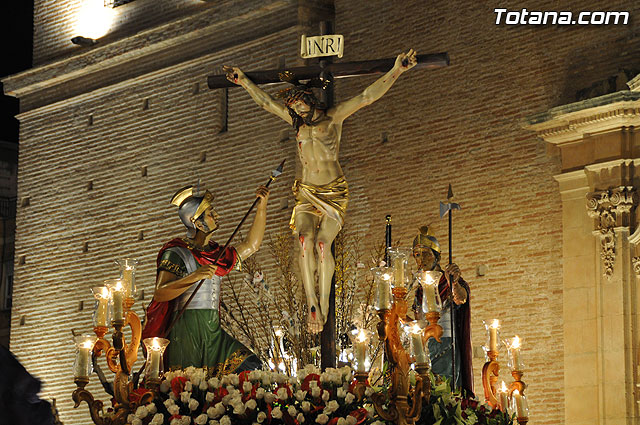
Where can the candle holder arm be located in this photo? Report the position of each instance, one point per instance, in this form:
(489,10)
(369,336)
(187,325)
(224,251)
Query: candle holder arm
(95,406)
(108,387)
(131,349)
(490,372)
(517,384)
(416,407)
(433,330)
(390,414)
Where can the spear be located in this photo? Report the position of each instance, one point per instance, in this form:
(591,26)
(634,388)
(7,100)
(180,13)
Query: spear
(444,209)
(274,174)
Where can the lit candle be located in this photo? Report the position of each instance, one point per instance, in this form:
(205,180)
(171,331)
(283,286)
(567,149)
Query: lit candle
(514,350)
(522,410)
(429,292)
(127,278)
(102,306)
(360,350)
(155,348)
(82,366)
(117,295)
(384,289)
(504,397)
(154,359)
(418,346)
(398,270)
(493,335)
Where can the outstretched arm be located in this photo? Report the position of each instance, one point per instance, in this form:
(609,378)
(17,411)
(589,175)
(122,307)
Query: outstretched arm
(251,244)
(375,91)
(262,98)
(170,286)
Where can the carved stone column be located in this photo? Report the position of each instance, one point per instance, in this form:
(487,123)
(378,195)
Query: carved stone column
(599,150)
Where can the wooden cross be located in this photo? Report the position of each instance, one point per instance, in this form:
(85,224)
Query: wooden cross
(327,71)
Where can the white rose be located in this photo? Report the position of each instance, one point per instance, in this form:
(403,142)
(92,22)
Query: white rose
(214,383)
(152,408)
(325,395)
(158,419)
(269,398)
(209,397)
(201,420)
(351,420)
(300,395)
(276,413)
(186,420)
(368,391)
(195,381)
(173,397)
(185,396)
(341,393)
(266,379)
(292,411)
(322,419)
(193,404)
(370,410)
(188,386)
(131,417)
(214,422)
(251,404)
(261,417)
(203,385)
(342,421)
(349,398)
(165,386)
(142,412)
(173,409)
(136,421)
(306,406)
(234,379)
(315,392)
(220,409)
(336,378)
(211,412)
(282,394)
(300,418)
(260,393)
(281,378)
(324,378)
(168,403)
(225,420)
(175,422)
(239,408)
(378,423)
(246,386)
(255,375)
(313,384)
(332,406)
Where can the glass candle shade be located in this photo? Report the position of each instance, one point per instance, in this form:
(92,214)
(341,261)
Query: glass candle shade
(101,313)
(430,280)
(360,340)
(128,275)
(382,277)
(155,351)
(493,335)
(420,352)
(399,259)
(83,367)
(117,290)
(515,360)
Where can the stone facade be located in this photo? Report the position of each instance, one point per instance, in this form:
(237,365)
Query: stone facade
(110,132)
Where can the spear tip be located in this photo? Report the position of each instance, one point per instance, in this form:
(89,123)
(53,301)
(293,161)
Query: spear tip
(450,193)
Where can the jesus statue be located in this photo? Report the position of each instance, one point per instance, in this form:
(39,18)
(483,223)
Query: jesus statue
(321,192)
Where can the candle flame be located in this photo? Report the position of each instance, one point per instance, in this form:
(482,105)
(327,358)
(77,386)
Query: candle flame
(386,276)
(118,286)
(495,324)
(504,387)
(515,342)
(362,336)
(279,332)
(87,344)
(156,344)
(415,328)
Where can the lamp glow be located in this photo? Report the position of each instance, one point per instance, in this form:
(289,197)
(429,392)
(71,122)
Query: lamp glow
(94,20)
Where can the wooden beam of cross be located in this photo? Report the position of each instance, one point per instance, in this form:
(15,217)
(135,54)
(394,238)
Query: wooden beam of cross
(337,70)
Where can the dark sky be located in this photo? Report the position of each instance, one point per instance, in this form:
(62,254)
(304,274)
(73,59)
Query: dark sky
(16,32)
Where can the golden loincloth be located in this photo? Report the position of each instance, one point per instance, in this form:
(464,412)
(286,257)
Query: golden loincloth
(329,200)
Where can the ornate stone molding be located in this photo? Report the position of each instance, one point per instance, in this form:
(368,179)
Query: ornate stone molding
(611,209)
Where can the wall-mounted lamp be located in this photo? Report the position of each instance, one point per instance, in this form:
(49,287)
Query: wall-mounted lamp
(83,41)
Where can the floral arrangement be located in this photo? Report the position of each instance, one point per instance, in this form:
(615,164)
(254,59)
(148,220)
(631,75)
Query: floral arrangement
(190,396)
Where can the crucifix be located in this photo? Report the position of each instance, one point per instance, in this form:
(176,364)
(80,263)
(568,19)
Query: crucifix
(321,192)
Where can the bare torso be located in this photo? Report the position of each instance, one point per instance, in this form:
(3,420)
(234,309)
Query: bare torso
(318,146)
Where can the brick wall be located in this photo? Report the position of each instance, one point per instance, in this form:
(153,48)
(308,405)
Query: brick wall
(458,125)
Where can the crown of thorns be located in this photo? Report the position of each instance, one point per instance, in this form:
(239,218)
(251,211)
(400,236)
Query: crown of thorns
(299,90)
